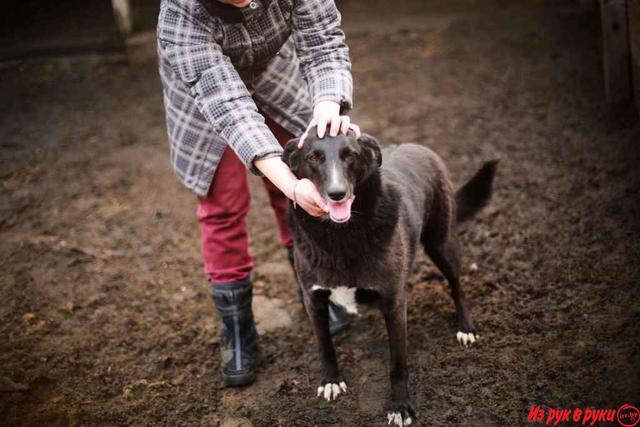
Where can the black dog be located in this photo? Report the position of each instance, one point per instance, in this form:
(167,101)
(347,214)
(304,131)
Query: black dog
(363,250)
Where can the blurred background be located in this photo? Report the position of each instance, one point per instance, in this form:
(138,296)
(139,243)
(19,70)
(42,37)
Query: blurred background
(105,315)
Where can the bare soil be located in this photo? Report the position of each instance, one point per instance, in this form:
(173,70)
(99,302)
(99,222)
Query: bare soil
(105,316)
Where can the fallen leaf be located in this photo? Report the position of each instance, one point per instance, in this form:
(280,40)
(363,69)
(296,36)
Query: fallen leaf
(432,46)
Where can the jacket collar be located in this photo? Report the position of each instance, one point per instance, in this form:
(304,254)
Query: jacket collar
(226,12)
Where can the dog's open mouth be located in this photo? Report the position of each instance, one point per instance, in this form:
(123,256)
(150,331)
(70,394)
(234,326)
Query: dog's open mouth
(340,211)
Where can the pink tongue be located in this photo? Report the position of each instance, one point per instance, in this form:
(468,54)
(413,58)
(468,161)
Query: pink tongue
(340,212)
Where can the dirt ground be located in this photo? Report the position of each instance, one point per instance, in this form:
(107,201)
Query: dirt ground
(106,318)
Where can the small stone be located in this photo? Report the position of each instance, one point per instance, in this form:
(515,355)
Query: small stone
(145,251)
(269,314)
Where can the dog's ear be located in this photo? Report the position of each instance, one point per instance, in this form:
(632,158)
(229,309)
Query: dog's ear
(291,155)
(372,147)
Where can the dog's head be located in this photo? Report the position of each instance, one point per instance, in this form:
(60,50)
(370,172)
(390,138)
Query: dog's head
(336,165)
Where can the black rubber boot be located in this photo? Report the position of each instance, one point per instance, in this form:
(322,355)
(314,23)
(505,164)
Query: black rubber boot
(239,338)
(338,317)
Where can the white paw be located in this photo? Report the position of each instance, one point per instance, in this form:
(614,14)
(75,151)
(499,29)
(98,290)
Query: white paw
(467,339)
(331,391)
(395,418)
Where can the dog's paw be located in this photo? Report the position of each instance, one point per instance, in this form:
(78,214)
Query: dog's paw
(401,414)
(467,338)
(331,390)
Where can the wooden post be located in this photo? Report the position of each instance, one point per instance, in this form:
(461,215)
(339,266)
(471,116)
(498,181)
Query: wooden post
(616,53)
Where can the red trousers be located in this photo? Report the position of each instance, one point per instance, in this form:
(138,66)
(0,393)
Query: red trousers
(222,216)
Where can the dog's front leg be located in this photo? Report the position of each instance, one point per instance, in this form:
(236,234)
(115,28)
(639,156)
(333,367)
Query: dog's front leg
(401,412)
(332,384)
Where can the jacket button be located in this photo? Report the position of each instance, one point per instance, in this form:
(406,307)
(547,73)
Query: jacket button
(253,5)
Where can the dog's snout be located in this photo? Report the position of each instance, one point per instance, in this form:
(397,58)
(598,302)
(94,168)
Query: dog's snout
(336,186)
(336,194)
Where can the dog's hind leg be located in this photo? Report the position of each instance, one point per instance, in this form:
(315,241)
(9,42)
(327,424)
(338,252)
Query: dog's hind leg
(332,384)
(446,257)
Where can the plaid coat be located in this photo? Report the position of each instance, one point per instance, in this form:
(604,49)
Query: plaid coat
(221,67)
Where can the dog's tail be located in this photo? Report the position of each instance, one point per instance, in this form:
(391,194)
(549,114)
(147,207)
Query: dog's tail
(475,194)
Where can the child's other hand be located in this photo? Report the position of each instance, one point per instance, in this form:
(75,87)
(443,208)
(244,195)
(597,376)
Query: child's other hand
(327,114)
(306,195)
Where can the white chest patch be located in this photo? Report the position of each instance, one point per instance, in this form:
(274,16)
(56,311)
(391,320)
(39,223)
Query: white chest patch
(346,297)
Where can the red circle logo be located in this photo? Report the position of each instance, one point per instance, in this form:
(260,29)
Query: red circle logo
(628,415)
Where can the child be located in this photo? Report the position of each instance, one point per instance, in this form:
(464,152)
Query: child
(241,78)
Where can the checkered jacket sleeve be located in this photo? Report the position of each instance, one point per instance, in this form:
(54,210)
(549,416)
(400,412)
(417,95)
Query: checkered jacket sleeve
(187,39)
(322,50)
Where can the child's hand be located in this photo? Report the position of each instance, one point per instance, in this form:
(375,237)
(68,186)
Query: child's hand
(327,114)
(302,191)
(307,197)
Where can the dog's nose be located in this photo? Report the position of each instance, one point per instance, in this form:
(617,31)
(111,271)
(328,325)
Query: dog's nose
(336,195)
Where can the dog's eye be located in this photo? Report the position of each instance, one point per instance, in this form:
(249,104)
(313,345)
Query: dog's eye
(347,156)
(314,157)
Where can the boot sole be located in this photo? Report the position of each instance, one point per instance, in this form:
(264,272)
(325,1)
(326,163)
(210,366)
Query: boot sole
(238,380)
